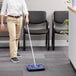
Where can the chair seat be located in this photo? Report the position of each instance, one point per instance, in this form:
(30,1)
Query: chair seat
(37,32)
(60,27)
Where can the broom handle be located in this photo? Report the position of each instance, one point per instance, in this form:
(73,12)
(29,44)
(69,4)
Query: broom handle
(31,45)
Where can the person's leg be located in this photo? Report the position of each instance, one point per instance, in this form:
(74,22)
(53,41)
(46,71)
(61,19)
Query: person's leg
(18,30)
(12,34)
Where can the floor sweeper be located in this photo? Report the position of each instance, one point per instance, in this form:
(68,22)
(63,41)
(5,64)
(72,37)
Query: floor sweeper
(34,66)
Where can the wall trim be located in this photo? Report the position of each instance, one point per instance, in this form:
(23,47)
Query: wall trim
(72,66)
(40,43)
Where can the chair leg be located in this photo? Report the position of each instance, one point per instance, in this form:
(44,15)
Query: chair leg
(48,40)
(53,40)
(23,41)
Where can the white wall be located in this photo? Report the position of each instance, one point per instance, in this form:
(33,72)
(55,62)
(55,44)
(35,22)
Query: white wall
(46,4)
(49,6)
(72,38)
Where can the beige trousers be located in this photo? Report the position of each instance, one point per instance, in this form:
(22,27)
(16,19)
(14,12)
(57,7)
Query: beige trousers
(14,26)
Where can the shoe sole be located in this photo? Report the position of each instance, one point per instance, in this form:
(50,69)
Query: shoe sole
(14,61)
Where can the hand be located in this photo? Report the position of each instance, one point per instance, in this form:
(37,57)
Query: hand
(27,19)
(2,27)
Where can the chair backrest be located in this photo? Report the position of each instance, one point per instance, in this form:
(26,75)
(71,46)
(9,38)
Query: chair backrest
(60,16)
(37,16)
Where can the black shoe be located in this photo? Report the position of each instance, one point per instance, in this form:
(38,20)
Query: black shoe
(18,55)
(14,60)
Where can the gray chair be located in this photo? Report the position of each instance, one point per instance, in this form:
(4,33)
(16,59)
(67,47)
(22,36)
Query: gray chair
(38,26)
(58,24)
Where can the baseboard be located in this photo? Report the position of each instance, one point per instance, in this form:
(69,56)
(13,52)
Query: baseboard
(38,43)
(72,66)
